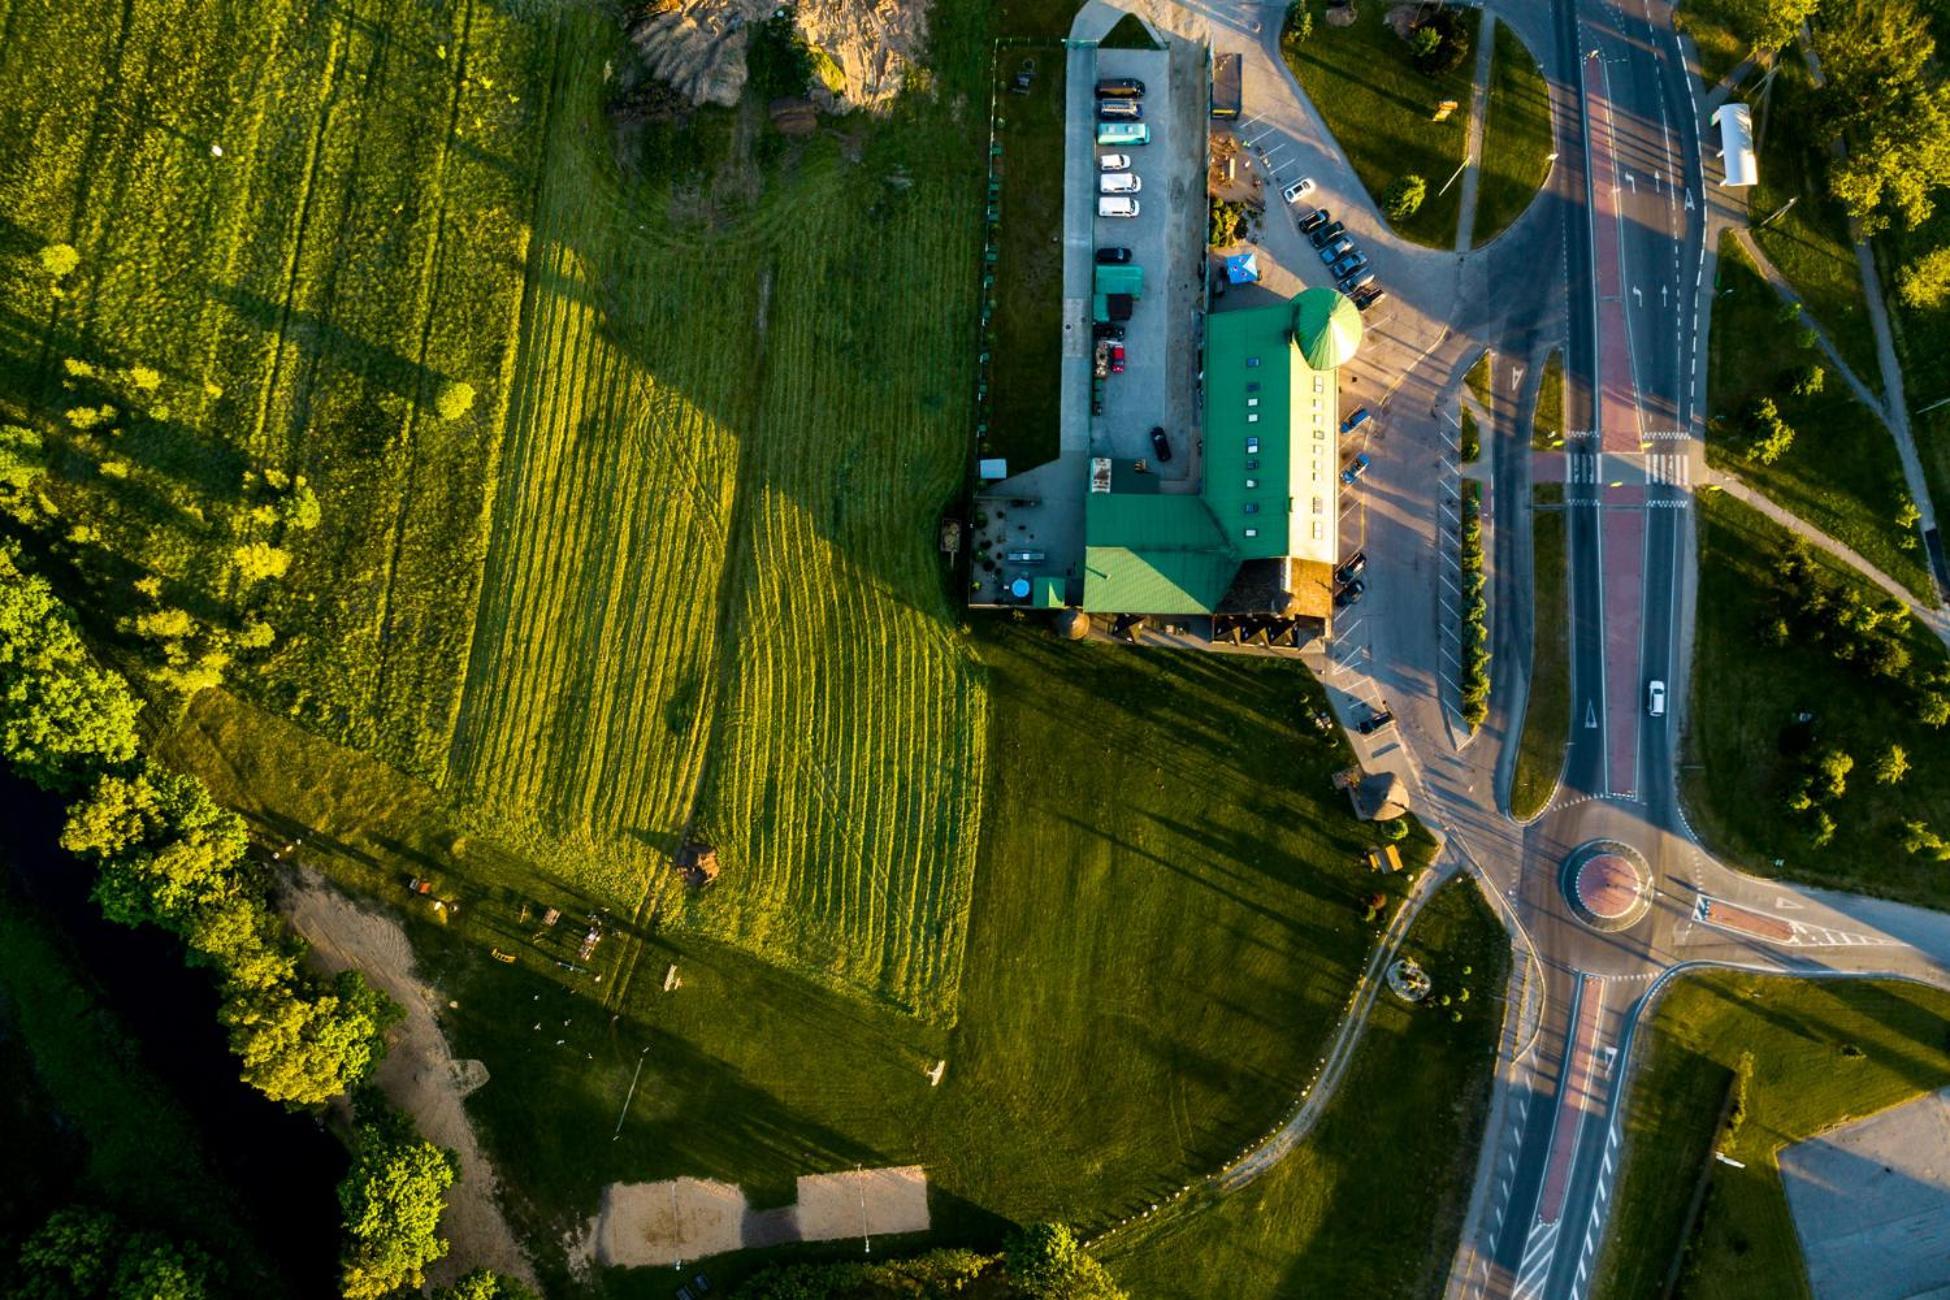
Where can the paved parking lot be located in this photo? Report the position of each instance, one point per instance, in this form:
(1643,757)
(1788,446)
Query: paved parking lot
(1158,337)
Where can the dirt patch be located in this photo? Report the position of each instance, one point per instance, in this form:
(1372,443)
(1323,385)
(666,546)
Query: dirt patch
(1402,19)
(862,49)
(644,1225)
(419,1074)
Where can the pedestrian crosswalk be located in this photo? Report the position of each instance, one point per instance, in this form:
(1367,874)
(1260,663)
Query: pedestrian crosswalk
(1663,468)
(1674,469)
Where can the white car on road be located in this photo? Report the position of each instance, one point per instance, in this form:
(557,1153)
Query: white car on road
(1114,162)
(1300,189)
(1655,699)
(1119,183)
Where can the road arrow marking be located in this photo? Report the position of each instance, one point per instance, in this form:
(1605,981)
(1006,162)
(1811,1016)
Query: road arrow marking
(1629,181)
(1663,291)
(1590,715)
(1787,904)
(1638,297)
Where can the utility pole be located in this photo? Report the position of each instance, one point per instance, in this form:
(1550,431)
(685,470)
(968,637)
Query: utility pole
(1467,159)
(1778,212)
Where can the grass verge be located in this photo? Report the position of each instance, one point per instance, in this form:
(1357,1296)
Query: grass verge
(1409,1114)
(1378,106)
(1842,473)
(1809,242)
(1746,742)
(1471,439)
(1547,711)
(1473,631)
(1028,290)
(1718,28)
(1167,923)
(1516,137)
(1478,379)
(1547,417)
(1744,1243)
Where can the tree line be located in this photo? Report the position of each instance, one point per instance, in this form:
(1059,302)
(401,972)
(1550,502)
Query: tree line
(165,854)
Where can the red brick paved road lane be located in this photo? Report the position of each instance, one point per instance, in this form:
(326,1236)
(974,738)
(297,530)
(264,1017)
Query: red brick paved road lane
(1622,537)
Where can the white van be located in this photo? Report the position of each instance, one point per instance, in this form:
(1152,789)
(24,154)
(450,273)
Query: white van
(1117,205)
(1119,183)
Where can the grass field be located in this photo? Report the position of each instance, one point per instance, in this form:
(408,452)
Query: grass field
(1742,738)
(1810,241)
(1803,1084)
(87,1120)
(1166,927)
(1516,137)
(1409,1114)
(1547,709)
(1719,28)
(1477,377)
(675,567)
(1842,474)
(1378,107)
(1547,417)
(1028,322)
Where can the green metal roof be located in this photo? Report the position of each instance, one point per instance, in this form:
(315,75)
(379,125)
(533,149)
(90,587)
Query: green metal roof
(1047,593)
(1327,326)
(1154,554)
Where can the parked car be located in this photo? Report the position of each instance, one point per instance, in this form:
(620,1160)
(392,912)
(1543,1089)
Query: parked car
(1335,249)
(1655,699)
(1315,220)
(1370,298)
(1360,280)
(1117,358)
(1300,189)
(1113,256)
(1350,594)
(1106,330)
(1350,265)
(1355,421)
(1355,470)
(1117,205)
(1119,183)
(1121,109)
(1375,722)
(1354,568)
(1160,444)
(1116,87)
(1114,162)
(1329,231)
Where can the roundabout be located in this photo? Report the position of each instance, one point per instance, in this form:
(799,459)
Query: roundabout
(1607,884)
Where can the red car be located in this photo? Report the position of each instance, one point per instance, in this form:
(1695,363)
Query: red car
(1117,358)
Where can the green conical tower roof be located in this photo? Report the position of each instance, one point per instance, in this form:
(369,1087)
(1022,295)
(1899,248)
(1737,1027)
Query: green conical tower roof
(1326,327)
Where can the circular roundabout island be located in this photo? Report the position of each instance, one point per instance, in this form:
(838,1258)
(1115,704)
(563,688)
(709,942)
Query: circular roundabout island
(1607,884)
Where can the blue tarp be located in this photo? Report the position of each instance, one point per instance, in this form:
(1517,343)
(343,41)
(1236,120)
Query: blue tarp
(1242,268)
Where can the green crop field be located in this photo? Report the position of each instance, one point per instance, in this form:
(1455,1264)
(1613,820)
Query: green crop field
(1166,926)
(1805,1081)
(673,569)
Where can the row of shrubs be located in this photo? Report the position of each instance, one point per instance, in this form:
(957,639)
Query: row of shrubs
(1475,637)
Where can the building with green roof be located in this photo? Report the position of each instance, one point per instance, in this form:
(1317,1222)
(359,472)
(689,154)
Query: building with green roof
(1268,500)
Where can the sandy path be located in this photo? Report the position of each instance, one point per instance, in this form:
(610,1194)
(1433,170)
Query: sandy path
(419,1074)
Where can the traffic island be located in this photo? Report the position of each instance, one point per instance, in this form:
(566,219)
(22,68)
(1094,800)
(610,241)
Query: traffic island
(1607,884)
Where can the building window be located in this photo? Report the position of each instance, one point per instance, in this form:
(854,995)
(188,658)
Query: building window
(1252,385)
(1320,383)
(1252,507)
(1318,533)
(1253,463)
(1252,401)
(1251,483)
(1252,532)
(1252,419)
(1252,363)
(1252,446)
(1318,507)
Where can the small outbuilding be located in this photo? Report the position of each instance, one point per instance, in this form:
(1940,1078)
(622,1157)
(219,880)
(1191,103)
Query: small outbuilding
(1736,123)
(1380,798)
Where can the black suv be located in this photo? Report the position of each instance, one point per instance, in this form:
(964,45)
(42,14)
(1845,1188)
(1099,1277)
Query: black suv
(1315,220)
(1321,237)
(1113,256)
(1160,443)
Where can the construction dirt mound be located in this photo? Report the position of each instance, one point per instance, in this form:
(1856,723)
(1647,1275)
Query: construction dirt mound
(862,49)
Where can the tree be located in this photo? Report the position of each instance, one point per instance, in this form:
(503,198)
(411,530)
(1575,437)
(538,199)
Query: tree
(58,260)
(304,1046)
(1925,283)
(1822,834)
(1770,436)
(392,1201)
(1403,198)
(61,717)
(1743,1076)
(164,848)
(1933,708)
(1885,97)
(1809,380)
(1047,1262)
(84,1254)
(259,560)
(484,1284)
(299,507)
(1908,515)
(1833,766)
(1893,766)
(1424,42)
